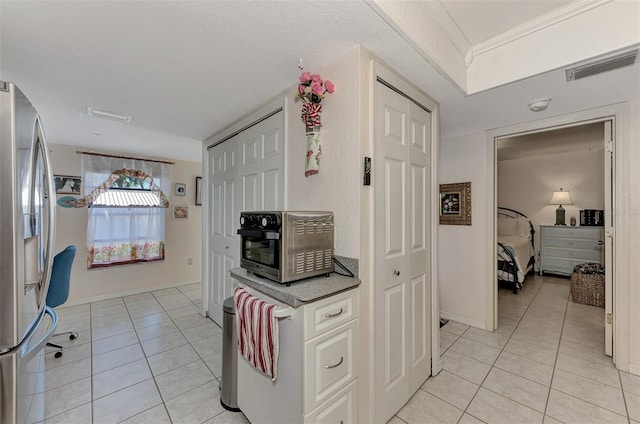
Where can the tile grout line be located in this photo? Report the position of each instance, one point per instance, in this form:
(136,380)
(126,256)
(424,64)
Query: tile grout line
(581,376)
(465,411)
(502,350)
(555,362)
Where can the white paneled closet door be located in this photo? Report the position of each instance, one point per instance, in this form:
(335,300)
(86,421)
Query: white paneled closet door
(223,244)
(402,300)
(246,173)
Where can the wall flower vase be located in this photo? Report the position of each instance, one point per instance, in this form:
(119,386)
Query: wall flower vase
(311,118)
(314,150)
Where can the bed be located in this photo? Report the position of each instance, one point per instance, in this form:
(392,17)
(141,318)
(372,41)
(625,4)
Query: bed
(516,255)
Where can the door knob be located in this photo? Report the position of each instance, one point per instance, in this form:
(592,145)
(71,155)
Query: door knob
(396,272)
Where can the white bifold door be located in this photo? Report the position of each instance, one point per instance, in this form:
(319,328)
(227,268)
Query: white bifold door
(402,293)
(246,173)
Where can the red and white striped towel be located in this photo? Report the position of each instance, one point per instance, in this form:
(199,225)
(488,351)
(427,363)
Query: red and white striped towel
(257,332)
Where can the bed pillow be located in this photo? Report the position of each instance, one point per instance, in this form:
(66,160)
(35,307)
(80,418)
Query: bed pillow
(507,227)
(523,229)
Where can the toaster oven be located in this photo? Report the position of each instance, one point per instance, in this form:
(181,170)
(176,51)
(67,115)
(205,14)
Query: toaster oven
(286,246)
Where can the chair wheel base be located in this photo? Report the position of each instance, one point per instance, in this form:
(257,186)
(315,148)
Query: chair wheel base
(73,336)
(57,354)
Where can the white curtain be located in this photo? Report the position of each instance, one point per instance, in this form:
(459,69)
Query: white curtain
(118,235)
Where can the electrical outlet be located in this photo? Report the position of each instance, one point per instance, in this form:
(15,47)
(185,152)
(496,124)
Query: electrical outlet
(189,261)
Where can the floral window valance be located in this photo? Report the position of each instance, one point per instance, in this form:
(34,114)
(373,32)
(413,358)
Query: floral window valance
(114,181)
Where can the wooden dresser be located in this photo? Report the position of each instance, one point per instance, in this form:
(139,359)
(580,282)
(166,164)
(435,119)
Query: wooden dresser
(563,247)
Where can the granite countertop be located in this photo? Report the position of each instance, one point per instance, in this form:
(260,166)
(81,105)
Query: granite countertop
(299,292)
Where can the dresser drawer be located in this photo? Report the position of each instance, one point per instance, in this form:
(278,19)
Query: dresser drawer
(564,266)
(578,254)
(573,243)
(329,364)
(329,313)
(573,233)
(341,408)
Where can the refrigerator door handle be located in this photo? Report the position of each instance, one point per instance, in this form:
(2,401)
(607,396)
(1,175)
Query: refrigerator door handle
(50,246)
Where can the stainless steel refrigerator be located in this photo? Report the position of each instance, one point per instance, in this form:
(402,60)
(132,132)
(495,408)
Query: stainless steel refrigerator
(27,237)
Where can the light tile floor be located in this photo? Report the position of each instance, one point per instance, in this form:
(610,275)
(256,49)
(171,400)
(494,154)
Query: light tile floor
(151,358)
(545,363)
(147,358)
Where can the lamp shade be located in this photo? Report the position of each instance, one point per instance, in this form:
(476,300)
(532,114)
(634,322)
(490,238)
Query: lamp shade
(561,198)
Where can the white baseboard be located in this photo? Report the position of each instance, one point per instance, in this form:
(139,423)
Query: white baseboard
(126,293)
(634,369)
(462,320)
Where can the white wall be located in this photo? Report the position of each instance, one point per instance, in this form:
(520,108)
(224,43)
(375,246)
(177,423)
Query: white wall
(527,184)
(183,240)
(462,262)
(337,186)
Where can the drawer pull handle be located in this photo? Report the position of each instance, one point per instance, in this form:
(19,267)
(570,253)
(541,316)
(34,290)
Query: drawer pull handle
(336,365)
(600,242)
(334,315)
(396,273)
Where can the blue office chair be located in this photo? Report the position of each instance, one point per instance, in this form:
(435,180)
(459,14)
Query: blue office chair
(59,288)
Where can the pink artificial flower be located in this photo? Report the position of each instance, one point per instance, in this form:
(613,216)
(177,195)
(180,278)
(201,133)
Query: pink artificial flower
(301,90)
(317,88)
(329,86)
(306,76)
(316,78)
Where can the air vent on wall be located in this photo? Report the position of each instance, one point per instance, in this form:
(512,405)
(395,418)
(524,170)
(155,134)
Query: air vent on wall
(603,65)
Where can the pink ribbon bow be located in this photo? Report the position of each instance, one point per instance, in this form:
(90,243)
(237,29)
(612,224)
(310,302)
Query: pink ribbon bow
(311,114)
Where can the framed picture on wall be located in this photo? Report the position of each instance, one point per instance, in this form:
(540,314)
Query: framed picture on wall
(455,204)
(199,191)
(181,189)
(67,184)
(180,212)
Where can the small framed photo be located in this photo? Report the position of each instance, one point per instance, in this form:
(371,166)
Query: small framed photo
(180,212)
(67,184)
(181,189)
(198,191)
(455,204)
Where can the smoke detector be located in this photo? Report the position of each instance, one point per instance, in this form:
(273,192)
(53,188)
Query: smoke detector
(603,65)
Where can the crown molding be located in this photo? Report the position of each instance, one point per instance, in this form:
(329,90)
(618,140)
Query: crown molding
(537,24)
(448,26)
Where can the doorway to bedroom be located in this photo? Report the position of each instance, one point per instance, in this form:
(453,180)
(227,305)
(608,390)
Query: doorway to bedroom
(540,238)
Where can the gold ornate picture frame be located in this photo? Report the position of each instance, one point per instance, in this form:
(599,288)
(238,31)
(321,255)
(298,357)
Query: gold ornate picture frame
(455,204)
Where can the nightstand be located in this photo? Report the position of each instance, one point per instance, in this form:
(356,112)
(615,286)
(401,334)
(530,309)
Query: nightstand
(562,248)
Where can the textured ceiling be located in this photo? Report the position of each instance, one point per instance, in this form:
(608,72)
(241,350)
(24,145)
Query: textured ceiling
(185,70)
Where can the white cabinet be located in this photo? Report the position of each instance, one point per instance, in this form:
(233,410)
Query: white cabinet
(562,248)
(342,408)
(330,348)
(317,367)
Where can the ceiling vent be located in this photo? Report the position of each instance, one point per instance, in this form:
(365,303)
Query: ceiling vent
(603,65)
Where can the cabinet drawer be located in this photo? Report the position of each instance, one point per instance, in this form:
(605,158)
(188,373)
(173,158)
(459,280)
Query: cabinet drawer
(564,266)
(573,232)
(584,255)
(329,313)
(574,243)
(329,364)
(342,408)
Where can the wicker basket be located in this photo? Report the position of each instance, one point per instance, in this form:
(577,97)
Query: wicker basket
(587,284)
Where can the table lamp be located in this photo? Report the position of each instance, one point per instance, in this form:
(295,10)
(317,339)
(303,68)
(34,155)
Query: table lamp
(560,198)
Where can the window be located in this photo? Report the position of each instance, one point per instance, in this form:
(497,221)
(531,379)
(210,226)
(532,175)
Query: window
(126,217)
